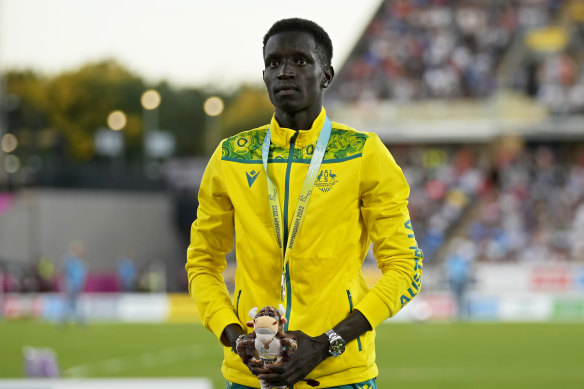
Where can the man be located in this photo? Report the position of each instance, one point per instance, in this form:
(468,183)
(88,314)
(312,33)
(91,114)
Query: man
(306,197)
(459,273)
(74,276)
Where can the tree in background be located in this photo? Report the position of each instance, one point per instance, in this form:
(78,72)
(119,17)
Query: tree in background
(249,108)
(55,118)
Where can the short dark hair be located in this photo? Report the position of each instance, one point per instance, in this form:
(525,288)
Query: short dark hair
(324,45)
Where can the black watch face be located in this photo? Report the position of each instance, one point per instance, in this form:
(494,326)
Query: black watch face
(337,347)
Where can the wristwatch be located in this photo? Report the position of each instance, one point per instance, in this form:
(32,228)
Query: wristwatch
(336,343)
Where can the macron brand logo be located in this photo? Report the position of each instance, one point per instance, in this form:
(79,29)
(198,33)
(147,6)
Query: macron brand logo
(251,177)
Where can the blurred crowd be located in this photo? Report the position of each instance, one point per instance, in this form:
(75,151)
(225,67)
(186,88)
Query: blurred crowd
(503,203)
(560,83)
(444,183)
(533,208)
(427,49)
(556,78)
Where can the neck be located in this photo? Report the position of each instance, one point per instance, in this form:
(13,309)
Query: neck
(301,120)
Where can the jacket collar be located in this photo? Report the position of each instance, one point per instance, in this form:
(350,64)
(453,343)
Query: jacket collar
(282,136)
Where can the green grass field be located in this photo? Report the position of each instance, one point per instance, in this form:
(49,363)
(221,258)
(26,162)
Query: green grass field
(436,356)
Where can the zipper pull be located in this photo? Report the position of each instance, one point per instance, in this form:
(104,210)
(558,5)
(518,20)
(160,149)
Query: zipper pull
(283,286)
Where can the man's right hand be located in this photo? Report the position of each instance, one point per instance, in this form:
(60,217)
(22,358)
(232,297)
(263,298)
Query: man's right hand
(244,346)
(230,335)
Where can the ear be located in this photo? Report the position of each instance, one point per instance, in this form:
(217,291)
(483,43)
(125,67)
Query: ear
(253,312)
(249,324)
(283,320)
(327,77)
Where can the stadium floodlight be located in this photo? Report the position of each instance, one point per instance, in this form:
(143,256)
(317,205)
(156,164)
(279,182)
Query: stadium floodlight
(117,120)
(150,99)
(213,106)
(9,143)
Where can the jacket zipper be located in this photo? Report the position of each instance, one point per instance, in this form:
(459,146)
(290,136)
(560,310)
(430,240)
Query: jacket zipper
(351,310)
(237,303)
(285,221)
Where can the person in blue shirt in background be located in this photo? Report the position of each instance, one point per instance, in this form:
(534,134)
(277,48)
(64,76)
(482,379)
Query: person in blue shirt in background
(74,277)
(127,273)
(459,274)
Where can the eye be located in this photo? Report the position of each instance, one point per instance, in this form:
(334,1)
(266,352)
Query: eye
(273,63)
(301,62)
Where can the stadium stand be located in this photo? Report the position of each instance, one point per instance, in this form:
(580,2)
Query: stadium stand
(435,49)
(534,210)
(444,182)
(517,189)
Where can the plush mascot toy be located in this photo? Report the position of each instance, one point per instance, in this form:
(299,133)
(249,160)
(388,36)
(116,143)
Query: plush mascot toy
(267,344)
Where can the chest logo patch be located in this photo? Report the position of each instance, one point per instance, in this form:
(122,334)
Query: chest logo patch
(251,177)
(325,180)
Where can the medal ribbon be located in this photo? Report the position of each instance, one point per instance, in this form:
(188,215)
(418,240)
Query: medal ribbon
(303,198)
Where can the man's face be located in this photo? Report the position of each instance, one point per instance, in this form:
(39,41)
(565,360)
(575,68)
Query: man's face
(293,74)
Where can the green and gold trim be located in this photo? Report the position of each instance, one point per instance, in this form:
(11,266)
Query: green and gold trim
(246,147)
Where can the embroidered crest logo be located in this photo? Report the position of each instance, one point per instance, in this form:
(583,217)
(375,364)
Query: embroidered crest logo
(325,180)
(251,177)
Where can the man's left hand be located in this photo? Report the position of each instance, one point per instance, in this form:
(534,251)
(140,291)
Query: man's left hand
(311,351)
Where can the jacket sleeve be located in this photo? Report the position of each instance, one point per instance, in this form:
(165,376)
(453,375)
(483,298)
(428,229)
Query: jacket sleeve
(384,207)
(211,239)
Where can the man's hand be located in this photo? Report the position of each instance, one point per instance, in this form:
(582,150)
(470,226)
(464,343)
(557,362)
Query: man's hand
(311,351)
(245,348)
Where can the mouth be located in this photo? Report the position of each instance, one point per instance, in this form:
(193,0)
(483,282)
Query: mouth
(286,89)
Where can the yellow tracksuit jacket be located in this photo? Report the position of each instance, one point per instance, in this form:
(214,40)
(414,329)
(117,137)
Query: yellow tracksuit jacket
(360,196)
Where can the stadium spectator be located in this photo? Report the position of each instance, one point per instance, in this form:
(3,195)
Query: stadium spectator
(46,274)
(39,276)
(359,196)
(152,278)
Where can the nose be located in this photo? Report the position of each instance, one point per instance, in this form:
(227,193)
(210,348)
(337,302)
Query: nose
(286,72)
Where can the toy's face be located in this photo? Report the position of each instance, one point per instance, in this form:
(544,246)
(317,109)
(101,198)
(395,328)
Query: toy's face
(268,320)
(266,325)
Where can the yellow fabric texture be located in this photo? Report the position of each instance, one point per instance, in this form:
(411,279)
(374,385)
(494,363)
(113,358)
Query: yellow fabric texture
(366,203)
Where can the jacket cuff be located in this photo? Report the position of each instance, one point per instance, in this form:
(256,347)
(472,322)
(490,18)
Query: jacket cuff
(220,320)
(374,309)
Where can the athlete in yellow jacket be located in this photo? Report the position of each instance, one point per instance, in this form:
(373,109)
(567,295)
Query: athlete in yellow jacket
(301,236)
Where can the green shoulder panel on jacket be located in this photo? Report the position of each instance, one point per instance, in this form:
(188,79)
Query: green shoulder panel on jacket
(245,146)
(344,143)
